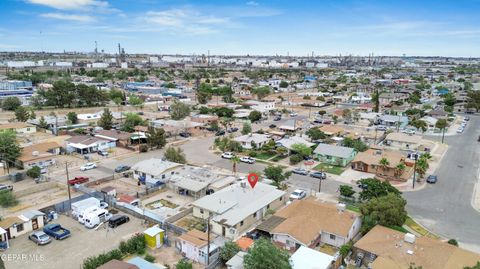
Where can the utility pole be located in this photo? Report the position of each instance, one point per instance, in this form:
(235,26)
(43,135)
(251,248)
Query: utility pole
(208,239)
(68,186)
(443,134)
(414,170)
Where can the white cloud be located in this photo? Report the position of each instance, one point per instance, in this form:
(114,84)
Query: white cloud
(252,3)
(69,17)
(70,4)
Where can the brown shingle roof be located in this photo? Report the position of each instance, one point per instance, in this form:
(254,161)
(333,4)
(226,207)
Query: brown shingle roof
(391,249)
(114,134)
(372,156)
(14,125)
(9,221)
(331,129)
(195,237)
(306,219)
(41,148)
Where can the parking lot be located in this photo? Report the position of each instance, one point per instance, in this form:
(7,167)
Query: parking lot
(71,252)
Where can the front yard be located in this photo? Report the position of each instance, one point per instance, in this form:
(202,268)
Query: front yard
(331,169)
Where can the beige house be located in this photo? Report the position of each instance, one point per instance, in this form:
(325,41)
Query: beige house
(11,227)
(19,127)
(311,223)
(369,162)
(42,155)
(403,141)
(238,207)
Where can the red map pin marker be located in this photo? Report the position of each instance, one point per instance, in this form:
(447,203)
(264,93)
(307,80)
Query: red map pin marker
(252,179)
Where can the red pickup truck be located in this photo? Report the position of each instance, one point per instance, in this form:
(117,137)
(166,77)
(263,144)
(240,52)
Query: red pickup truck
(77,180)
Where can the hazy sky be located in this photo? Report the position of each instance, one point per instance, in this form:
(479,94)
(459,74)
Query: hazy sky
(326,27)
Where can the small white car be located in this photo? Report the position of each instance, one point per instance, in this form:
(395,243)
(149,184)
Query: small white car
(228,155)
(293,114)
(460,130)
(246,159)
(298,194)
(88,166)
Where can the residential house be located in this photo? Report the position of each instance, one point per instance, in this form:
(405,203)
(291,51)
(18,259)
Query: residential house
(154,171)
(141,263)
(128,199)
(253,138)
(236,208)
(403,141)
(14,226)
(85,144)
(204,119)
(288,142)
(334,155)
(431,121)
(385,248)
(19,127)
(307,258)
(41,155)
(263,107)
(392,121)
(386,98)
(119,137)
(290,126)
(332,130)
(236,262)
(174,127)
(369,162)
(194,246)
(311,223)
(116,264)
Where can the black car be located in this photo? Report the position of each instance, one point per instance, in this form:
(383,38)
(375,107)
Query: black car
(272,126)
(219,133)
(320,175)
(432,179)
(277,118)
(232,130)
(184,134)
(122,168)
(117,220)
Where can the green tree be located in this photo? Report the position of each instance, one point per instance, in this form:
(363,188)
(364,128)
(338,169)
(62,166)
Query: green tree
(399,169)
(228,251)
(106,120)
(179,110)
(254,116)
(156,137)
(347,114)
(131,120)
(183,264)
(7,199)
(22,114)
(283,84)
(453,242)
(235,160)
(11,103)
(441,124)
(388,210)
(476,266)
(32,115)
(265,255)
(420,125)
(175,155)
(42,123)
(72,117)
(315,134)
(346,191)
(473,100)
(34,172)
(247,128)
(9,148)
(276,174)
(384,163)
(261,92)
(374,188)
(135,100)
(356,144)
(302,149)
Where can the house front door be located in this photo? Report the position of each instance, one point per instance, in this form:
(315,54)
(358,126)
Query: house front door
(35,224)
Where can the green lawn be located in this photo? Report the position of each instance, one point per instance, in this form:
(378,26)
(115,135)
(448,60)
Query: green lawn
(332,169)
(264,155)
(419,229)
(278,158)
(353,208)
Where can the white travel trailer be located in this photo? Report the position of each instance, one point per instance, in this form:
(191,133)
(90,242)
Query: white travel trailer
(96,217)
(81,205)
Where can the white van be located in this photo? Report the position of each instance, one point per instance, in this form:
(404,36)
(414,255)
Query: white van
(95,218)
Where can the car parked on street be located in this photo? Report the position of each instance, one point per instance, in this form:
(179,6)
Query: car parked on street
(77,180)
(88,166)
(228,155)
(300,171)
(184,134)
(432,179)
(293,114)
(40,238)
(460,130)
(4,187)
(320,175)
(56,231)
(298,194)
(122,168)
(246,159)
(102,153)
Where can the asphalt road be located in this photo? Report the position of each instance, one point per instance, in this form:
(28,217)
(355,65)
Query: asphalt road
(446,207)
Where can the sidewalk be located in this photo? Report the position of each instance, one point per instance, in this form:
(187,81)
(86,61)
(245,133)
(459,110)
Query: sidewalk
(476,194)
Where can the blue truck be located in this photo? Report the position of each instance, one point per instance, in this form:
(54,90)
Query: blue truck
(56,231)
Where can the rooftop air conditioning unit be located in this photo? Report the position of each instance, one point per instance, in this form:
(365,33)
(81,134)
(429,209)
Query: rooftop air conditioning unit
(409,238)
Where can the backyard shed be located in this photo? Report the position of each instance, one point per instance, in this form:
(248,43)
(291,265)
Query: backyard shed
(154,236)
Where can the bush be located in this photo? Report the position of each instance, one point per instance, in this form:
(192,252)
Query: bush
(294,159)
(149,258)
(183,264)
(252,154)
(34,172)
(8,199)
(453,242)
(345,249)
(143,148)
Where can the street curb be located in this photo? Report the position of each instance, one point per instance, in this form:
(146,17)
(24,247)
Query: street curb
(475,193)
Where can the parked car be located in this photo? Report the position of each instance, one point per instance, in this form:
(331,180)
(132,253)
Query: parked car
(184,134)
(88,166)
(460,130)
(40,238)
(408,131)
(4,187)
(103,205)
(298,194)
(43,170)
(300,171)
(381,128)
(122,168)
(320,175)
(293,114)
(272,126)
(228,155)
(277,118)
(103,153)
(432,179)
(467,118)
(77,180)
(232,130)
(117,220)
(219,133)
(246,159)
(56,231)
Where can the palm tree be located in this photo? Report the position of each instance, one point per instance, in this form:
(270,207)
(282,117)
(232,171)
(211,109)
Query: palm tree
(234,161)
(399,169)
(422,166)
(384,163)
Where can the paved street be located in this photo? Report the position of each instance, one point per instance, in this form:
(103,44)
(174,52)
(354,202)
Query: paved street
(445,208)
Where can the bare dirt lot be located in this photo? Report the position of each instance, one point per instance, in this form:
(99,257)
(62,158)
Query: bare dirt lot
(71,252)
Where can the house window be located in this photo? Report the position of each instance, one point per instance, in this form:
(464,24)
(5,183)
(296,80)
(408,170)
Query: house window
(281,198)
(255,214)
(241,223)
(19,227)
(201,211)
(163,176)
(268,206)
(173,172)
(332,236)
